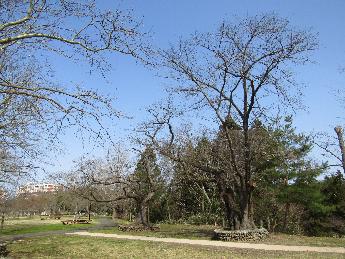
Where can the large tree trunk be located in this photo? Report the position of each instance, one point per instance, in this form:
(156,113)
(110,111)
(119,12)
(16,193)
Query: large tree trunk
(238,211)
(339,131)
(238,219)
(114,214)
(142,217)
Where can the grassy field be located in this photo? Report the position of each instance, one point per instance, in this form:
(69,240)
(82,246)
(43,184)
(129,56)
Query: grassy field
(206,232)
(35,225)
(61,246)
(88,247)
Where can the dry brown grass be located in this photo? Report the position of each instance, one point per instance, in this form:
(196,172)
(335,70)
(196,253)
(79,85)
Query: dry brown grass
(85,247)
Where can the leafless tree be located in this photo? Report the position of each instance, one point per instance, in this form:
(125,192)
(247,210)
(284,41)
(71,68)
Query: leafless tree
(332,147)
(33,104)
(112,180)
(232,76)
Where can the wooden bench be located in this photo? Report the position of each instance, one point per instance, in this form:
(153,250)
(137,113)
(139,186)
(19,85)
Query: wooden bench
(75,221)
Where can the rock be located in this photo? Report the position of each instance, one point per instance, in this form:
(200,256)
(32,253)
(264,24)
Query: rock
(138,228)
(240,235)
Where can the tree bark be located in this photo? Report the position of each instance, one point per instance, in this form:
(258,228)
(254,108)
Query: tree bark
(113,214)
(237,217)
(340,134)
(286,216)
(142,216)
(2,220)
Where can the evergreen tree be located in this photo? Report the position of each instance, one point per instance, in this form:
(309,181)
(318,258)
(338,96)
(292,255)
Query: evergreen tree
(147,181)
(333,189)
(288,197)
(193,190)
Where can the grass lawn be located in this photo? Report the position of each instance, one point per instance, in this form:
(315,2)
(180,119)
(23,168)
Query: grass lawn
(90,247)
(284,239)
(170,230)
(206,232)
(35,224)
(62,246)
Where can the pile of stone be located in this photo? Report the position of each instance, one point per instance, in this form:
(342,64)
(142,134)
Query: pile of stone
(138,227)
(240,235)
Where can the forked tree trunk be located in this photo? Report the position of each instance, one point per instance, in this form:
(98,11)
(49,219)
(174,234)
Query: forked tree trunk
(238,214)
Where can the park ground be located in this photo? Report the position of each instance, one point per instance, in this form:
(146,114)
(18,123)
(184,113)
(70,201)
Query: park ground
(35,238)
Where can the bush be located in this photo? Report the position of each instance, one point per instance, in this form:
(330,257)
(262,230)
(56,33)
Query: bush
(204,219)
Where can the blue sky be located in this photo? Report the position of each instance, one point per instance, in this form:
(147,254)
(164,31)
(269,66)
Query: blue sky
(136,87)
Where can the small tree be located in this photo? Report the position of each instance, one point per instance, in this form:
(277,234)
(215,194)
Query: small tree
(110,180)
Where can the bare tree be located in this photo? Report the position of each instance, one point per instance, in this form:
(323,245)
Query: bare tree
(32,104)
(112,180)
(228,75)
(332,147)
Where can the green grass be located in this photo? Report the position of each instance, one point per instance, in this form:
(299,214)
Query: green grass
(36,225)
(62,246)
(284,239)
(170,230)
(88,247)
(206,232)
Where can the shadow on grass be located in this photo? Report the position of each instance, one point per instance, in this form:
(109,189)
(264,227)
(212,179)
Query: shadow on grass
(3,250)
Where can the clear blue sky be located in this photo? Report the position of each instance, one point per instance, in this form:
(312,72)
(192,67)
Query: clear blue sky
(136,87)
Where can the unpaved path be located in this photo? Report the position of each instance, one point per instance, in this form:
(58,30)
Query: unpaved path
(103,223)
(340,250)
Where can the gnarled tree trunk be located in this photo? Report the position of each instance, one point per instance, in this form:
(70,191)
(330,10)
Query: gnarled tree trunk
(142,216)
(237,207)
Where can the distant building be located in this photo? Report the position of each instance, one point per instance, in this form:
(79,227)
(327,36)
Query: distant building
(31,188)
(3,194)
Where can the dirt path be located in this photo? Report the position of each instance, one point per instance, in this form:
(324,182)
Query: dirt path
(340,250)
(103,223)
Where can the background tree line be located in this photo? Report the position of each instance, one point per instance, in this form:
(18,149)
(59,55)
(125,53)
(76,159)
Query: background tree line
(289,193)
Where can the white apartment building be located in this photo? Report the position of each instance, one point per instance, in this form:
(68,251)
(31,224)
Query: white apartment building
(38,188)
